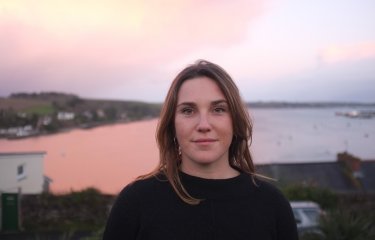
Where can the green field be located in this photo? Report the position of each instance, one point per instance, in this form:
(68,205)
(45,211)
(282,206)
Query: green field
(40,109)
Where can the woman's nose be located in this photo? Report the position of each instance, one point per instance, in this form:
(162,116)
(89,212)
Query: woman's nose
(203,124)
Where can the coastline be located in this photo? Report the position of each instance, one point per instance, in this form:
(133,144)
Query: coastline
(111,155)
(86,126)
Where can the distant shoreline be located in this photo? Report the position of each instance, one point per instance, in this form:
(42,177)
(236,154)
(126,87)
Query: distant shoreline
(91,113)
(81,127)
(281,104)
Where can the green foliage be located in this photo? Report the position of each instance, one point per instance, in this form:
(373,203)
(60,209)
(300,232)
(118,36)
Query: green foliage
(10,118)
(53,126)
(346,224)
(76,211)
(23,109)
(111,113)
(41,110)
(74,101)
(140,110)
(324,197)
(347,216)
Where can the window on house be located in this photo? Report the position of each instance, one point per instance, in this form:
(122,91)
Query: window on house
(21,172)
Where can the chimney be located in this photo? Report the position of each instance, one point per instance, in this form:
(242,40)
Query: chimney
(351,162)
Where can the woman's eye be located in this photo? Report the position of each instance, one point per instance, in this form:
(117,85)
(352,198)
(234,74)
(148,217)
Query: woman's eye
(187,111)
(219,110)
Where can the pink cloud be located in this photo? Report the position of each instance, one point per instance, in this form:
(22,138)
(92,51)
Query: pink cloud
(348,52)
(124,33)
(71,43)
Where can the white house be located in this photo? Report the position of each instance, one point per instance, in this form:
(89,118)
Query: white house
(23,171)
(65,116)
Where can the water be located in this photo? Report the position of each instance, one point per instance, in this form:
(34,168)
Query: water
(300,135)
(109,157)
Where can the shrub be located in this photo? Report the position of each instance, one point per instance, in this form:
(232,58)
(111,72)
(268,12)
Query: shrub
(74,211)
(324,197)
(346,224)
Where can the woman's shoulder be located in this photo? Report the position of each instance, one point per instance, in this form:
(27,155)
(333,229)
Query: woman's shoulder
(144,186)
(268,188)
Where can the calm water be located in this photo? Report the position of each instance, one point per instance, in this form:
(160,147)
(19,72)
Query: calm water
(300,135)
(109,157)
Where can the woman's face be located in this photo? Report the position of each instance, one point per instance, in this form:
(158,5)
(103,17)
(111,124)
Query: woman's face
(203,126)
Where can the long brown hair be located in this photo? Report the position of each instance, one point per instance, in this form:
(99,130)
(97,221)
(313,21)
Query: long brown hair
(239,153)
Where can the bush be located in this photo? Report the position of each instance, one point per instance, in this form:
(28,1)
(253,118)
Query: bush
(347,216)
(324,197)
(346,224)
(75,211)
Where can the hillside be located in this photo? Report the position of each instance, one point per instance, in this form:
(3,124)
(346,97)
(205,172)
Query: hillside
(25,114)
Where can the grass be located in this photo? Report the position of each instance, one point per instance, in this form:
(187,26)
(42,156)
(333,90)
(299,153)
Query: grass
(40,109)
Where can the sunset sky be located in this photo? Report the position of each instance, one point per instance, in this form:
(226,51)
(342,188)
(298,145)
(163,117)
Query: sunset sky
(292,50)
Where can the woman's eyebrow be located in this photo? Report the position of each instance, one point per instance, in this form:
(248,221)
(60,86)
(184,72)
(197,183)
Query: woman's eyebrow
(219,102)
(191,104)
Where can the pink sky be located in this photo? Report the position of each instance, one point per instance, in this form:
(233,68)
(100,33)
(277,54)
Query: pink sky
(132,49)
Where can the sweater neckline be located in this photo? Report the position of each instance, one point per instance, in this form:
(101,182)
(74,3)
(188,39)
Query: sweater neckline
(209,180)
(216,188)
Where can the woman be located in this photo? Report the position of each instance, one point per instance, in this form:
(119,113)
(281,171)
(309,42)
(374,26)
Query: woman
(205,186)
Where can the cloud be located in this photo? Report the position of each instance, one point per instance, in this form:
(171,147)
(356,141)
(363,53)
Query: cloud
(341,81)
(348,52)
(91,46)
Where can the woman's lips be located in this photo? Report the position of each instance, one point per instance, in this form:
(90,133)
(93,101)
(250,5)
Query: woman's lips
(204,140)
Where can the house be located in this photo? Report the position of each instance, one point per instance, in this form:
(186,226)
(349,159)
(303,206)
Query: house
(23,171)
(20,131)
(348,174)
(65,116)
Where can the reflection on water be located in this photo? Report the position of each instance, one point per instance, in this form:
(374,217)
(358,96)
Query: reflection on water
(300,135)
(106,157)
(109,157)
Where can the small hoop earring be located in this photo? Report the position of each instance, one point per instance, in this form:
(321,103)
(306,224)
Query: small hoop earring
(178,148)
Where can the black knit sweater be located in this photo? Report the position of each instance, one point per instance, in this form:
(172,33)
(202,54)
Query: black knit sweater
(232,209)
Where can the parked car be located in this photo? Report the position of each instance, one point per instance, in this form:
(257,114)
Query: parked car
(307,215)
